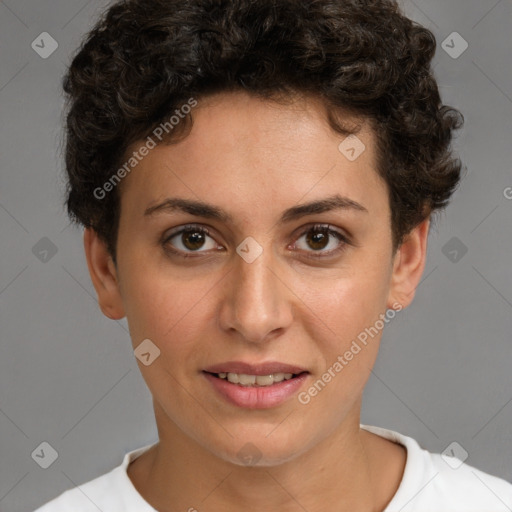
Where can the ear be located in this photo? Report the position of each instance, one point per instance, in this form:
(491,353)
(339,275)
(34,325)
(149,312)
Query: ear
(408,266)
(103,275)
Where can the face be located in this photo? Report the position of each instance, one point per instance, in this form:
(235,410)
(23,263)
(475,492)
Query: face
(254,282)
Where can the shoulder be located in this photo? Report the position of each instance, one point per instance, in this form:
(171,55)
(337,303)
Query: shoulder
(112,491)
(469,482)
(86,497)
(433,481)
(460,487)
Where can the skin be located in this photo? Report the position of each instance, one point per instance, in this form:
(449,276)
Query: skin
(255,159)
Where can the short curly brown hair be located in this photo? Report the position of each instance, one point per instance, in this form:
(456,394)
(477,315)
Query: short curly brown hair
(145,58)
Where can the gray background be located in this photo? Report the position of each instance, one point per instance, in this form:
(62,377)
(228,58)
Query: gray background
(68,375)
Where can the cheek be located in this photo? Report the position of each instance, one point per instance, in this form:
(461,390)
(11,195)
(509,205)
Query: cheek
(345,306)
(149,312)
(169,309)
(346,330)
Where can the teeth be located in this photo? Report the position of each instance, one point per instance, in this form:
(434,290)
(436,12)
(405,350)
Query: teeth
(246,380)
(255,380)
(233,378)
(265,380)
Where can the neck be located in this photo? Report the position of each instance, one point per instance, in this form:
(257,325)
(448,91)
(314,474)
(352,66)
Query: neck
(342,472)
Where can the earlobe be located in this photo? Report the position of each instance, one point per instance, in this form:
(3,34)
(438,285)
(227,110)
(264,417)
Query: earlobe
(408,266)
(103,275)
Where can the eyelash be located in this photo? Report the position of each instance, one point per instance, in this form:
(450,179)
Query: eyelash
(316,227)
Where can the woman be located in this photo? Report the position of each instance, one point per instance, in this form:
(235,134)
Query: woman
(256,180)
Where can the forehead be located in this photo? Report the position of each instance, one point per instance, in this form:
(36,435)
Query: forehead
(244,122)
(243,149)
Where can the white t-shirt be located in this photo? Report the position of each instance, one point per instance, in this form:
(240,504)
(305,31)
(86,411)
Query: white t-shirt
(431,483)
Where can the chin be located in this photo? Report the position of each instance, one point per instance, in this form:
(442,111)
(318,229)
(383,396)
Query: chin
(259,450)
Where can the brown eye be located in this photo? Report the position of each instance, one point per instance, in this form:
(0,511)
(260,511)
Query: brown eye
(317,239)
(193,240)
(321,237)
(190,239)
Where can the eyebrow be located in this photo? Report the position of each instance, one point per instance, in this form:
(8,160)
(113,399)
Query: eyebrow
(201,209)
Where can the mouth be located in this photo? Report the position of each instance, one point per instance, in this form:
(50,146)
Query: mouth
(247,380)
(256,386)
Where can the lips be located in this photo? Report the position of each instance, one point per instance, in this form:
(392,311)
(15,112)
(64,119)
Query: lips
(256,386)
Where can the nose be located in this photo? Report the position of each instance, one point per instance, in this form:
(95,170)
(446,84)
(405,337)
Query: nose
(256,302)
